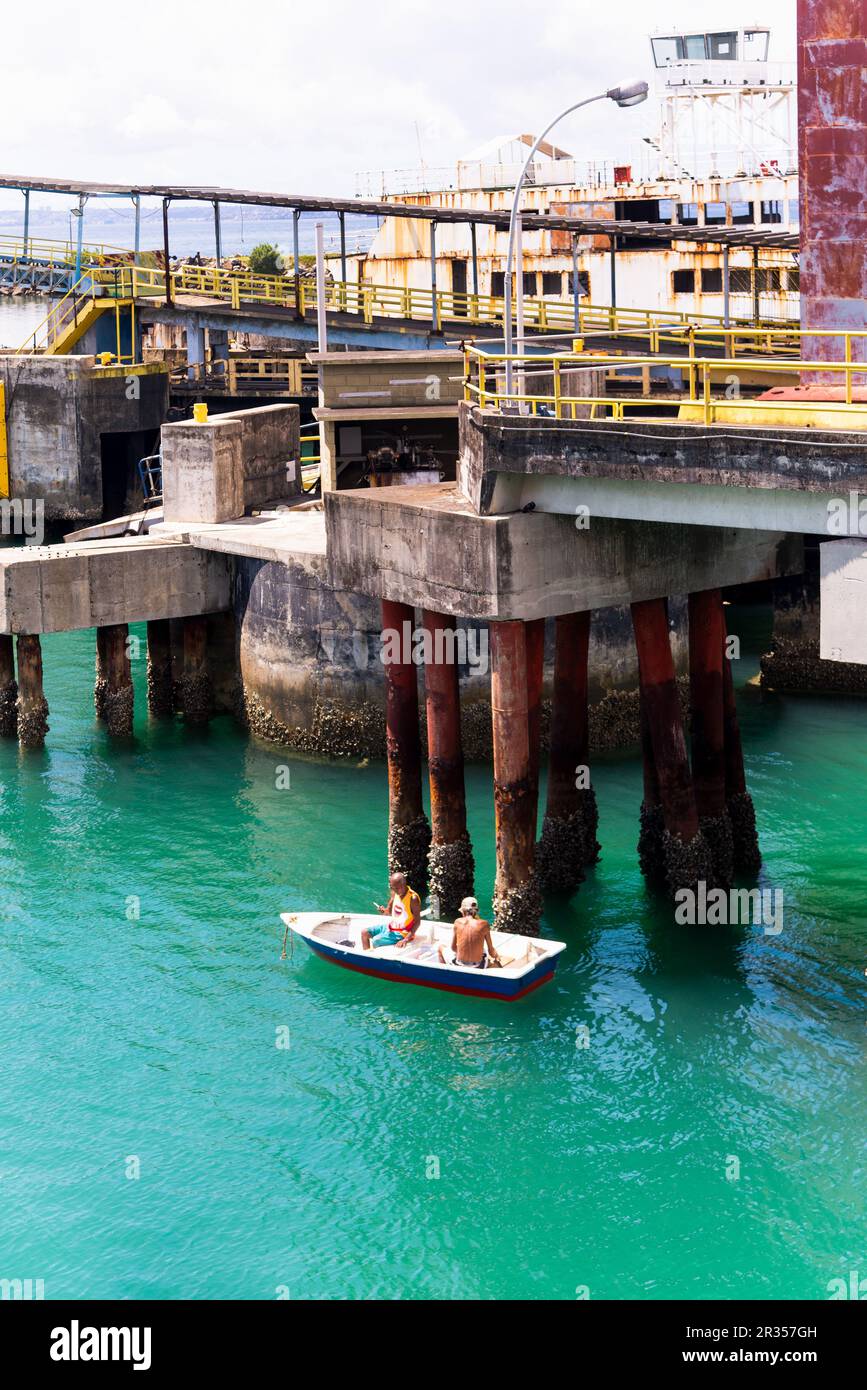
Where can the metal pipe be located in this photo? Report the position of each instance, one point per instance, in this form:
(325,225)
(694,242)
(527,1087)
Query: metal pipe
(475,256)
(296,260)
(80,237)
(166,257)
(137,243)
(8,688)
(576,285)
(514,800)
(612,256)
(32,704)
(706,655)
(659,691)
(341,217)
(26,192)
(321,308)
(435,308)
(113,691)
(451,857)
(756,300)
(218,238)
(408,830)
(726,287)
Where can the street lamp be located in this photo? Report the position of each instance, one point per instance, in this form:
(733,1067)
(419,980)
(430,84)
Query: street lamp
(629,95)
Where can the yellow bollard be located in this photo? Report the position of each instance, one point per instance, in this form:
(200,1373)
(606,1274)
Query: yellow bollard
(200,412)
(105,359)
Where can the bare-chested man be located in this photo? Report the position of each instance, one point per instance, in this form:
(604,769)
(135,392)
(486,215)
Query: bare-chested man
(471,938)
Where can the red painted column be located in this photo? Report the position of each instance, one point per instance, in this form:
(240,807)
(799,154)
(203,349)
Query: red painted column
(8,688)
(517,899)
(739,804)
(535,643)
(832,131)
(687,857)
(568,840)
(195,690)
(408,829)
(161,699)
(450,860)
(707,635)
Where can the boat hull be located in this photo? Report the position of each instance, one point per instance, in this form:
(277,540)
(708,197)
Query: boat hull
(482,984)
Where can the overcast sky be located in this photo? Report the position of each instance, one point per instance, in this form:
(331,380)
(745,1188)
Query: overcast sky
(298,98)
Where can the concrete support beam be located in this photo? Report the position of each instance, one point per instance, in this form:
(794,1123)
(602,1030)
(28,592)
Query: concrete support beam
(685,851)
(195,348)
(113,692)
(8,689)
(707,635)
(409,834)
(568,842)
(64,587)
(426,546)
(161,698)
(517,897)
(32,704)
(451,863)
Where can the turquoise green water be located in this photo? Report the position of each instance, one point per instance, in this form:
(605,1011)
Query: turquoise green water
(264,1168)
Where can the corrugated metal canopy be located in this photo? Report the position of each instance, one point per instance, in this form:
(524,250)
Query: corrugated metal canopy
(532,221)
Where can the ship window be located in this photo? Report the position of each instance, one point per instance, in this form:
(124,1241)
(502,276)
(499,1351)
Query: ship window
(666,51)
(529,283)
(741,213)
(687,214)
(694,46)
(683,281)
(772,210)
(498,283)
(711,281)
(794,211)
(714,214)
(793,281)
(722,46)
(767,279)
(756,45)
(552,282)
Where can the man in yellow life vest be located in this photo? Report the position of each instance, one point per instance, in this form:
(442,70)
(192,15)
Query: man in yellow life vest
(403,912)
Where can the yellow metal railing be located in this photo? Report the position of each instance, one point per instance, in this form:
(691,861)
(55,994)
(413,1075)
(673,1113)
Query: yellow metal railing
(103,288)
(485,385)
(60,253)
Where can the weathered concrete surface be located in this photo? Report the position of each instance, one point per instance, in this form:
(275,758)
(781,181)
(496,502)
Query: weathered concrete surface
(216,470)
(795,664)
(58,408)
(843,626)
(740,476)
(61,588)
(350,380)
(426,546)
(832,131)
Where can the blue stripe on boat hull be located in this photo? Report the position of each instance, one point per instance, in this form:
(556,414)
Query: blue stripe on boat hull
(486,984)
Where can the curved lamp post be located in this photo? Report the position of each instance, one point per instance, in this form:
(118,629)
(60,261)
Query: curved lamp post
(630,95)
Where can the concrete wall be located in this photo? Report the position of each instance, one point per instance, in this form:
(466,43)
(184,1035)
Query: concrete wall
(216,470)
(352,380)
(57,410)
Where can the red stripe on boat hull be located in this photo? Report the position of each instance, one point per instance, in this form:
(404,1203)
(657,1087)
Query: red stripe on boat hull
(432,984)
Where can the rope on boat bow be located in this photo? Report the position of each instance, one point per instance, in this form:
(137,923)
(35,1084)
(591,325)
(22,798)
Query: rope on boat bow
(285,934)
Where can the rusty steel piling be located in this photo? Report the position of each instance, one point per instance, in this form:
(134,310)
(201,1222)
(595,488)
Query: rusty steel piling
(450,859)
(568,840)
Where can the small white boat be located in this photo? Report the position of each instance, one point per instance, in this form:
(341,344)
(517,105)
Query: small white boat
(528,961)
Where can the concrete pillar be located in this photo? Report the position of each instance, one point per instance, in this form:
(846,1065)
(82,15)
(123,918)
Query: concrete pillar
(686,853)
(195,348)
(218,342)
(409,833)
(517,897)
(568,839)
(113,694)
(161,698)
(707,635)
(32,704)
(450,859)
(8,689)
(195,692)
(832,141)
(328,455)
(739,804)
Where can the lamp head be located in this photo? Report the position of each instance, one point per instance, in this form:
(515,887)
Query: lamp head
(631,94)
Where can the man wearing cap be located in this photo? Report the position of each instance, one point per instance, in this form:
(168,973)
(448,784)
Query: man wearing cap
(471,939)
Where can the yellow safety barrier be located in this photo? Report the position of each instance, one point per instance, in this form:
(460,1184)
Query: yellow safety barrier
(484,384)
(4,452)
